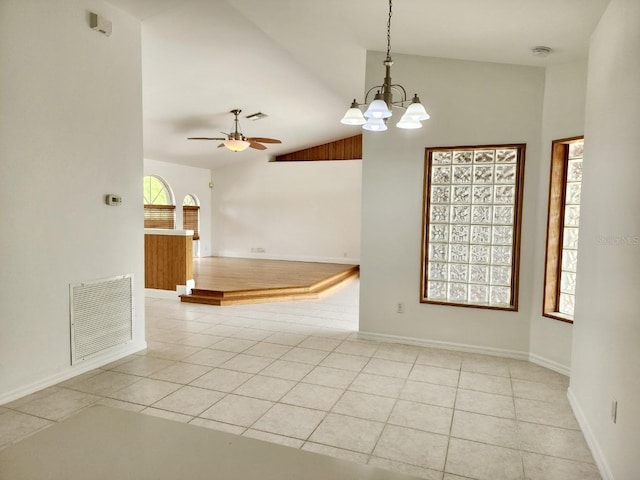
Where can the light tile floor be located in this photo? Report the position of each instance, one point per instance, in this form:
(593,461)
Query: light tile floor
(297,374)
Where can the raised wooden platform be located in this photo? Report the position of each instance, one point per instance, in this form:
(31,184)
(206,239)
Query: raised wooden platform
(231,281)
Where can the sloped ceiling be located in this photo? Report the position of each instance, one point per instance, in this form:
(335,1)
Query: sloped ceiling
(301,61)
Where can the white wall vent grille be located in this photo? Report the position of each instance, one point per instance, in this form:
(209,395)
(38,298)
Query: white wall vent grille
(101,316)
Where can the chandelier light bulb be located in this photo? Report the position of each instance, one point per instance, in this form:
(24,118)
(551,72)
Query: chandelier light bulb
(408,123)
(375,125)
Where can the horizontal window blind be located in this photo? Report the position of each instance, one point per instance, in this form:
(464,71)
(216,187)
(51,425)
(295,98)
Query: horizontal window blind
(190,219)
(160,216)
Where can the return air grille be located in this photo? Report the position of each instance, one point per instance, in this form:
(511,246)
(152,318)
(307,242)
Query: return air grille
(101,316)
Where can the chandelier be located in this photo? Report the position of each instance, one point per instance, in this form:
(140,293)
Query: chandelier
(376,116)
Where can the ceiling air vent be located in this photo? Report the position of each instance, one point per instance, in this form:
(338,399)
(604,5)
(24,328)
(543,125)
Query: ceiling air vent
(256,116)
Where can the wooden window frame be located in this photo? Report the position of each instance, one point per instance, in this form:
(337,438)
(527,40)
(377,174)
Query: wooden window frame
(517,225)
(555,228)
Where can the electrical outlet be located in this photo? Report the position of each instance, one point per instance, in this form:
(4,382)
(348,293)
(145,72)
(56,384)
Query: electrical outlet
(260,250)
(400,307)
(614,410)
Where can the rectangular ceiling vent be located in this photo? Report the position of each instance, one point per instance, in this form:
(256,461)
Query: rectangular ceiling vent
(101,316)
(256,116)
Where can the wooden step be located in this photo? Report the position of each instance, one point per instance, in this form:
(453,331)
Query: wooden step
(280,294)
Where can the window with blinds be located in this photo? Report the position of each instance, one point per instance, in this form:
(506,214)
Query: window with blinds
(190,219)
(160,216)
(159,208)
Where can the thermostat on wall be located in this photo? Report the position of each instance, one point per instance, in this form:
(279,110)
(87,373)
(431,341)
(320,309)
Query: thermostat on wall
(113,200)
(99,23)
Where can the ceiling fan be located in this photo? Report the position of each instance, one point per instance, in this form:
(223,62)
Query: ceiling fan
(236,141)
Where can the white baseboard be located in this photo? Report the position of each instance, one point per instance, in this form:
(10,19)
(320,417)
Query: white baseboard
(550,364)
(170,294)
(163,294)
(291,258)
(589,436)
(98,361)
(460,347)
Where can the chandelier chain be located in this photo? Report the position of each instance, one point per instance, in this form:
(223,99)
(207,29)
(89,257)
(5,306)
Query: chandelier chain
(389,32)
(379,110)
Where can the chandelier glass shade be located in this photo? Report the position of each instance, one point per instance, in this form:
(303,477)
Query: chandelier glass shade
(381,108)
(375,125)
(416,110)
(378,109)
(354,116)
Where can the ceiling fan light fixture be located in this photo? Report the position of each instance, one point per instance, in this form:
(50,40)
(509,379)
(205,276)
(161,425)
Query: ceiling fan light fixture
(236,141)
(236,145)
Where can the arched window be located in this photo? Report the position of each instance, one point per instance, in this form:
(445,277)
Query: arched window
(191,215)
(159,208)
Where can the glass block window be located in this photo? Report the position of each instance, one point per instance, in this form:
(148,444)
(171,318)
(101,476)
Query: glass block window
(563,228)
(472,207)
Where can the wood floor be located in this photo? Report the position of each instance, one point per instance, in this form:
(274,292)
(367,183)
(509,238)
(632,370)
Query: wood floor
(229,281)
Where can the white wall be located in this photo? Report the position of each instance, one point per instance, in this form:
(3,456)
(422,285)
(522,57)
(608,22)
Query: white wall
(470,103)
(562,117)
(71,132)
(306,211)
(183,181)
(606,342)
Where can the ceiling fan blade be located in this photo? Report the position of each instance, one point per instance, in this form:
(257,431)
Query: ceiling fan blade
(257,146)
(205,138)
(221,145)
(264,140)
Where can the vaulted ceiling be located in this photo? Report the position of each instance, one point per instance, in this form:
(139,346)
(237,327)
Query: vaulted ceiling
(302,61)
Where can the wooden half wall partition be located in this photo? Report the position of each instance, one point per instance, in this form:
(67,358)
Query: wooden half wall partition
(345,149)
(168,258)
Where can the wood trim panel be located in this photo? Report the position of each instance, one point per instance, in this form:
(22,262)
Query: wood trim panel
(168,261)
(345,149)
